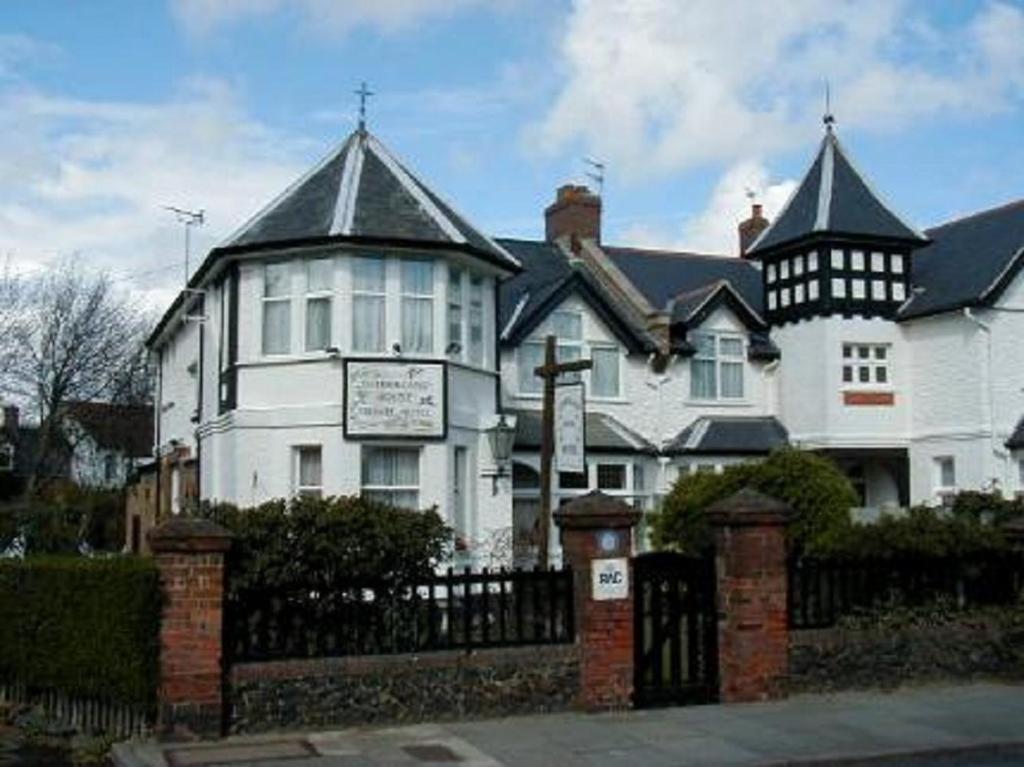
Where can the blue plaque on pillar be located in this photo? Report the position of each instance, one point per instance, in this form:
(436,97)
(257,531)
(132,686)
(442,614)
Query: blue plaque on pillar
(608,541)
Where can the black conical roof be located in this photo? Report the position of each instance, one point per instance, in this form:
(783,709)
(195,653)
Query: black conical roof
(834,198)
(362,191)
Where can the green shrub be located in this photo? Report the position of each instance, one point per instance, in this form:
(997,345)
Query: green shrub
(64,517)
(818,492)
(86,627)
(310,543)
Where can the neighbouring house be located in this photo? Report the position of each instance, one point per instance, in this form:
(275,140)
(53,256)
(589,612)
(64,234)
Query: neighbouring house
(17,452)
(106,443)
(359,336)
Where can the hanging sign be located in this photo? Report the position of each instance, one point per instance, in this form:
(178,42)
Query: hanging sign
(395,399)
(570,428)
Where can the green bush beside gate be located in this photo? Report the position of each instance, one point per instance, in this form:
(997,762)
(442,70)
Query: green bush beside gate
(84,627)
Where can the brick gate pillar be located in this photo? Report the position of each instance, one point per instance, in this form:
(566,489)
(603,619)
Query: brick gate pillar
(190,556)
(596,533)
(753,629)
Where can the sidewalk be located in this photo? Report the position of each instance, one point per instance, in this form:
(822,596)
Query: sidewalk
(805,728)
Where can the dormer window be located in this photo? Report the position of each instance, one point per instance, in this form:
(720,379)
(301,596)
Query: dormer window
(716,369)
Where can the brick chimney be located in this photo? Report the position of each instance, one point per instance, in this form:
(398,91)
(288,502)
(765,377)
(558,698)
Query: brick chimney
(751,229)
(576,212)
(11,418)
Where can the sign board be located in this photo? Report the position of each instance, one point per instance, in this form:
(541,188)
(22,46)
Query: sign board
(570,428)
(402,399)
(610,578)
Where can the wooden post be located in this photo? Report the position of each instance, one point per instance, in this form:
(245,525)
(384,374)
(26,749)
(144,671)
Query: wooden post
(549,372)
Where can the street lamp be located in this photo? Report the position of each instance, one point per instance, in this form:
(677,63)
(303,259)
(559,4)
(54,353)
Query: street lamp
(501,436)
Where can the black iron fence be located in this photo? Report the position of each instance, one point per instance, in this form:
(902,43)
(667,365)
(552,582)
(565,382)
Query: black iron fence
(823,590)
(461,610)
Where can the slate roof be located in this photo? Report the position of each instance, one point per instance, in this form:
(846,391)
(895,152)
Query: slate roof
(833,197)
(969,263)
(361,191)
(125,428)
(730,435)
(662,275)
(692,307)
(602,433)
(547,278)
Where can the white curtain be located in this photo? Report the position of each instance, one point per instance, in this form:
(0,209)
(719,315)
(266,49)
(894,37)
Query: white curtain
(319,275)
(417,325)
(318,323)
(732,380)
(604,378)
(476,321)
(392,475)
(368,323)
(277,326)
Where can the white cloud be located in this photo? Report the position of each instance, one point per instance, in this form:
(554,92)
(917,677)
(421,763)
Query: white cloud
(92,177)
(659,86)
(201,17)
(713,230)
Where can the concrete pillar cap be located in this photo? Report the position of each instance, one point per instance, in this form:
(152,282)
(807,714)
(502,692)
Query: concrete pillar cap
(187,534)
(748,508)
(596,510)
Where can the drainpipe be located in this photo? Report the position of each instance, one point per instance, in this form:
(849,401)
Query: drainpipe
(986,328)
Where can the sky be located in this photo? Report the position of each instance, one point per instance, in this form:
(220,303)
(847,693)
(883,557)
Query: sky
(110,110)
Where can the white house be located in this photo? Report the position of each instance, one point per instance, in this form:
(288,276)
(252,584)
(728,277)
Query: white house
(838,328)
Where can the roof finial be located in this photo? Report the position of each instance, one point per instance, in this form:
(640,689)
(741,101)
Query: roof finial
(363,93)
(829,119)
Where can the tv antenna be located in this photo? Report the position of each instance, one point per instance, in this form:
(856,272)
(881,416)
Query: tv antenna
(189,219)
(596,174)
(829,119)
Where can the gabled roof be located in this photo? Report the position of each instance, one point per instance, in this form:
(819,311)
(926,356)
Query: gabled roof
(662,275)
(834,198)
(692,308)
(124,428)
(548,279)
(730,435)
(602,433)
(970,262)
(361,191)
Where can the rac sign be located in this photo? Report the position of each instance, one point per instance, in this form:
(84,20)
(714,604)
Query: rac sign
(609,578)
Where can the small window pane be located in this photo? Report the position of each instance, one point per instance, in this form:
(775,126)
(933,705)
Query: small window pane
(881,375)
(476,320)
(784,268)
(276,280)
(880,352)
(611,476)
(847,374)
(897,263)
(604,377)
(898,292)
(277,327)
(455,308)
(567,326)
(310,479)
(878,262)
(863,352)
(731,347)
(785,296)
(864,374)
(838,288)
(857,260)
(531,357)
(847,351)
(703,379)
(859,289)
(812,261)
(837,258)
(319,275)
(368,275)
(417,325)
(878,290)
(798,294)
(773,299)
(368,323)
(418,278)
(798,266)
(771,272)
(812,290)
(732,380)
(318,323)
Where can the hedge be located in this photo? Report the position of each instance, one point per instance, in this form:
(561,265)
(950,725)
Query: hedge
(84,627)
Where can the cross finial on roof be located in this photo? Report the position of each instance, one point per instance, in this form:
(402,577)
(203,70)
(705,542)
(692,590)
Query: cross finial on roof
(363,93)
(829,119)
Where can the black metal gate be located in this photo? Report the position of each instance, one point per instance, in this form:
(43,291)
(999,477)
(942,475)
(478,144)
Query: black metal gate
(675,630)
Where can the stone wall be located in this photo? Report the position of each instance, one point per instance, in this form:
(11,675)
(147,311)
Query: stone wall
(978,644)
(402,688)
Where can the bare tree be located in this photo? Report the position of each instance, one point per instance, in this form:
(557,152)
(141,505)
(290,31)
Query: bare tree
(75,338)
(11,291)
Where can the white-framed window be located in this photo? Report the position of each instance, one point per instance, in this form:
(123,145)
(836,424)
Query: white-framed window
(866,364)
(798,266)
(837,258)
(319,290)
(785,297)
(944,470)
(773,299)
(859,289)
(391,475)
(784,268)
(878,290)
(611,476)
(812,261)
(6,458)
(838,287)
(798,294)
(897,263)
(417,284)
(899,292)
(605,379)
(369,289)
(812,290)
(277,308)
(456,342)
(308,471)
(567,327)
(771,273)
(476,320)
(877,262)
(716,368)
(857,260)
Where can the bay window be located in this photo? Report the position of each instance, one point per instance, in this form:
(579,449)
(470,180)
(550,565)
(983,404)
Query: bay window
(368,304)
(277,308)
(417,282)
(716,369)
(391,475)
(319,287)
(476,320)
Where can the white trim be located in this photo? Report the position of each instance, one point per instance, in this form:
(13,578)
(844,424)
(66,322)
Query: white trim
(828,169)
(724,284)
(345,205)
(523,300)
(1009,265)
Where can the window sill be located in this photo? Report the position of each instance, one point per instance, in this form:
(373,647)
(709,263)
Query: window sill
(738,403)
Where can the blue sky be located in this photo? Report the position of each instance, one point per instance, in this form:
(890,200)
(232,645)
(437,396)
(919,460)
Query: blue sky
(110,109)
